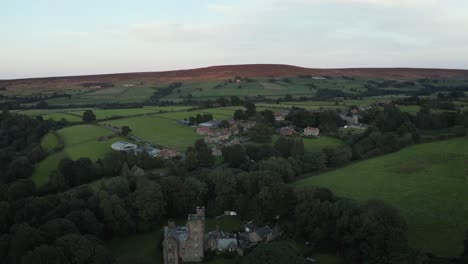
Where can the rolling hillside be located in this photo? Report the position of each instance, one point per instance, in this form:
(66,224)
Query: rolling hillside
(229,71)
(426,182)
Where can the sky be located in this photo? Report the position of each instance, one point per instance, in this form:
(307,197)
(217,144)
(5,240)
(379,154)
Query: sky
(40,38)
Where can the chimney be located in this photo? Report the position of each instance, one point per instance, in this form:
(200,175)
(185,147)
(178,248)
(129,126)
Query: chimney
(201,211)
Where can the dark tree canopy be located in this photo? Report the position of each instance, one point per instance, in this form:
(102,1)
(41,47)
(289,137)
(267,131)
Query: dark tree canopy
(89,116)
(274,253)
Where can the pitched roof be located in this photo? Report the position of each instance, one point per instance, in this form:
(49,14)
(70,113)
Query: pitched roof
(264,232)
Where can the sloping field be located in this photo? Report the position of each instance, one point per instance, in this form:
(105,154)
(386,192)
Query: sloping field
(80,141)
(428,183)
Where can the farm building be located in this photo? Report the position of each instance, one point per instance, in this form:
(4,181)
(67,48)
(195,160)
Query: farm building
(153,152)
(210,124)
(168,153)
(287,131)
(311,131)
(184,122)
(123,146)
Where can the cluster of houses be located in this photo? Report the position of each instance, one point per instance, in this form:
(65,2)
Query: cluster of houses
(291,131)
(219,137)
(190,243)
(164,153)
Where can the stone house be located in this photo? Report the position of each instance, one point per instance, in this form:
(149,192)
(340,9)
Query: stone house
(311,131)
(219,241)
(190,242)
(185,243)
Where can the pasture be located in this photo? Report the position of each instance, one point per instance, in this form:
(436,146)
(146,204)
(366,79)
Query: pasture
(50,142)
(80,141)
(428,184)
(124,112)
(159,130)
(118,94)
(320,143)
(272,88)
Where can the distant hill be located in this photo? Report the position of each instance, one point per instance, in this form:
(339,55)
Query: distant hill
(229,71)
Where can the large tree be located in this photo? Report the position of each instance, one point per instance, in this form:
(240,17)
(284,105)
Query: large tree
(234,155)
(261,133)
(204,156)
(148,201)
(44,254)
(89,116)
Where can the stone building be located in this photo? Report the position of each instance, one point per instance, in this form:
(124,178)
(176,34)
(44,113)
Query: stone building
(311,131)
(185,243)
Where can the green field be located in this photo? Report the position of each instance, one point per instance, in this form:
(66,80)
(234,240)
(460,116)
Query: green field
(80,141)
(118,94)
(320,143)
(159,131)
(316,144)
(428,183)
(262,87)
(50,142)
(59,116)
(124,112)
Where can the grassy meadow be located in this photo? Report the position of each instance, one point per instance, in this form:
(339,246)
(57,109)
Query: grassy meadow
(80,141)
(159,131)
(50,142)
(428,183)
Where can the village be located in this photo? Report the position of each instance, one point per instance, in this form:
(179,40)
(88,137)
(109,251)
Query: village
(223,133)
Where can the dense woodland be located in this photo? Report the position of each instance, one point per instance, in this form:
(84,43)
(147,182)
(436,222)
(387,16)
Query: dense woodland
(68,220)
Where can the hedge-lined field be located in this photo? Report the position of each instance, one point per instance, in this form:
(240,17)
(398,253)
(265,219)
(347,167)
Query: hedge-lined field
(428,183)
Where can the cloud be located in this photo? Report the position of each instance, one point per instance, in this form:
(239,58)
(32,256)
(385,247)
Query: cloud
(220,8)
(385,3)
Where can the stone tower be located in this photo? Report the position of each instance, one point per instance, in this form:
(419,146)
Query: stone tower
(193,248)
(185,243)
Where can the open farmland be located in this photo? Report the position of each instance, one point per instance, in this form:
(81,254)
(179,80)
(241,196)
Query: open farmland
(426,182)
(123,112)
(119,94)
(80,141)
(159,131)
(271,88)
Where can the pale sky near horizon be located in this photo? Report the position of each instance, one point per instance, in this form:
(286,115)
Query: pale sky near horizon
(74,37)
